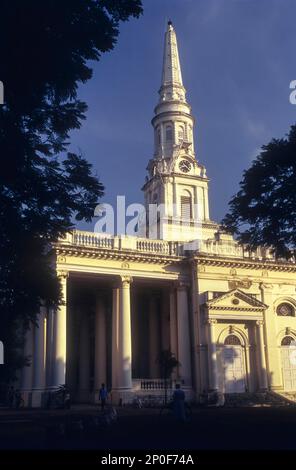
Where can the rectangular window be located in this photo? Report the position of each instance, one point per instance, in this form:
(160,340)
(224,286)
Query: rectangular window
(186,209)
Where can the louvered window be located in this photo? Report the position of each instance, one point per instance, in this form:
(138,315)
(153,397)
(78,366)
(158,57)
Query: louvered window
(169,133)
(180,135)
(186,210)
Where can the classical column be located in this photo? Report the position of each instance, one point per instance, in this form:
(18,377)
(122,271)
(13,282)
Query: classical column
(39,359)
(165,325)
(60,335)
(212,355)
(84,356)
(173,323)
(39,351)
(206,203)
(184,353)
(27,371)
(262,360)
(115,320)
(153,338)
(273,356)
(100,344)
(49,346)
(124,371)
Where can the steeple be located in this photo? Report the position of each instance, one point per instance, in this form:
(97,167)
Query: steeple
(175,180)
(173,121)
(171,83)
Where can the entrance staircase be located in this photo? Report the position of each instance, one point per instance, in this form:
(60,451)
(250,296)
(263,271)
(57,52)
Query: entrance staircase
(268,399)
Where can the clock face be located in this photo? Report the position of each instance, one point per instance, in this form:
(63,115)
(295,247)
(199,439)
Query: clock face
(185,166)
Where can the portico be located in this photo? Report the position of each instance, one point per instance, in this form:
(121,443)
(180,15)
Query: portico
(111,329)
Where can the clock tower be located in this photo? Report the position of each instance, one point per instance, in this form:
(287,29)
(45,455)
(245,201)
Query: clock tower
(176,181)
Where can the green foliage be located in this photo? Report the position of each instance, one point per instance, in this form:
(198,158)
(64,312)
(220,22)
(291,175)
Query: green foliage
(167,362)
(263,212)
(45,49)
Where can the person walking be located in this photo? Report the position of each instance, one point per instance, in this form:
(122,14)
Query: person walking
(103,396)
(179,403)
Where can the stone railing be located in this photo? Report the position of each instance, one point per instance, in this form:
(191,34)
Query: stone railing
(217,247)
(121,242)
(232,249)
(157,246)
(92,239)
(151,384)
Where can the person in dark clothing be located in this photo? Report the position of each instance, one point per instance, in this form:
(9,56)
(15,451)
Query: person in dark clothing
(179,403)
(103,396)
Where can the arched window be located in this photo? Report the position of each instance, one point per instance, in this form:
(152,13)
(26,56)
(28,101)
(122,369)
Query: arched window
(169,133)
(285,310)
(186,205)
(287,341)
(232,340)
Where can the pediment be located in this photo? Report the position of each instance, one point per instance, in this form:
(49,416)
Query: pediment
(236,300)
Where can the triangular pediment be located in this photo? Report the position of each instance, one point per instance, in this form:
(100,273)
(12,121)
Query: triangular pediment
(236,299)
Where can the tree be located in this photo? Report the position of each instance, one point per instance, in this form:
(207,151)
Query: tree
(45,49)
(168,363)
(263,212)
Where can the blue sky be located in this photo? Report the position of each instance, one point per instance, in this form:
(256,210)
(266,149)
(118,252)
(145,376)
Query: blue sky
(238,59)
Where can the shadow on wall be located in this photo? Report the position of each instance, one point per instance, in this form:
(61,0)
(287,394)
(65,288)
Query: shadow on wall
(231,367)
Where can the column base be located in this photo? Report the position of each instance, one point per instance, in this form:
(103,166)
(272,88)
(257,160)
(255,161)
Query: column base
(27,397)
(37,398)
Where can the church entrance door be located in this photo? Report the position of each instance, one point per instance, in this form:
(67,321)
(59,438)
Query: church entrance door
(288,355)
(234,367)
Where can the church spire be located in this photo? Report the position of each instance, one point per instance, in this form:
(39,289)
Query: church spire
(171,83)
(172,121)
(175,179)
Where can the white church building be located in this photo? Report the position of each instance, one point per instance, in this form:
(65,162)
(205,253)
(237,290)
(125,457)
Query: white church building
(227,315)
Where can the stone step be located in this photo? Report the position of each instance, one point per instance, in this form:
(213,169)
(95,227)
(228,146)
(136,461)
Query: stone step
(257,399)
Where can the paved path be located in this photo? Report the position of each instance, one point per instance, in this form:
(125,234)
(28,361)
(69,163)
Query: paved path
(227,428)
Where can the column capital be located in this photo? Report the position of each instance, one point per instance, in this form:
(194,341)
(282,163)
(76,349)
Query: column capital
(210,321)
(260,323)
(63,275)
(126,281)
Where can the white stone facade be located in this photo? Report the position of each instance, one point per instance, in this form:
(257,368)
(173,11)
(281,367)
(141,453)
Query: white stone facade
(227,315)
